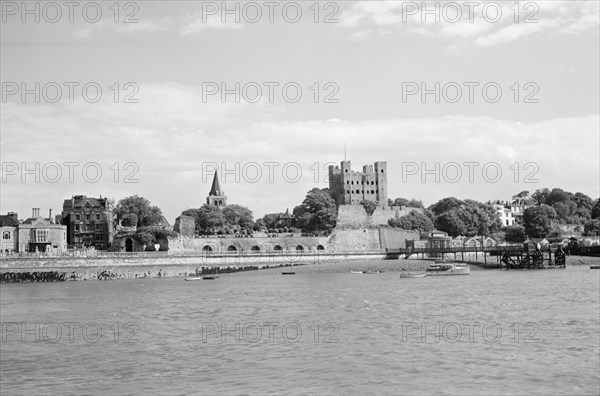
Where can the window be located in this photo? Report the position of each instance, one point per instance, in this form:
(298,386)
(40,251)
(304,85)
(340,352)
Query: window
(76,227)
(41,235)
(6,235)
(87,217)
(98,217)
(77,217)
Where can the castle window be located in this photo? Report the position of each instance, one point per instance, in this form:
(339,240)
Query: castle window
(372,191)
(347,191)
(372,182)
(77,217)
(6,235)
(97,217)
(358,191)
(347,181)
(382,171)
(352,181)
(346,170)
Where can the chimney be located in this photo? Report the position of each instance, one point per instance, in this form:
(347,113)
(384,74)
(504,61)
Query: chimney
(50,215)
(13,215)
(35,213)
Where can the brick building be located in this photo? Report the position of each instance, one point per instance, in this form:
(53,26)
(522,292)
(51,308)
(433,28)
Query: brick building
(348,187)
(9,224)
(89,222)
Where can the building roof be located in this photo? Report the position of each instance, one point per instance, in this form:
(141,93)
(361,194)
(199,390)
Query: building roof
(8,221)
(79,201)
(286,215)
(216,190)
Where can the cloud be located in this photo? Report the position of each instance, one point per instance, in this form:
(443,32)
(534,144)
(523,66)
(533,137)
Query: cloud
(198,23)
(500,22)
(171,134)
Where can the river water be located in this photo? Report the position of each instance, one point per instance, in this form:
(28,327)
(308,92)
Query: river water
(316,332)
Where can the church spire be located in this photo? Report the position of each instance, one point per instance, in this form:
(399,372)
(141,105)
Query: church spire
(216,189)
(216,196)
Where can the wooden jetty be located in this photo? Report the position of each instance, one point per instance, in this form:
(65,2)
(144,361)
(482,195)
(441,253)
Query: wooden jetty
(516,256)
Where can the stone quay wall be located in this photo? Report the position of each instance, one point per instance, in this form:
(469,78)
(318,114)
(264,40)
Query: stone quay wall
(159,264)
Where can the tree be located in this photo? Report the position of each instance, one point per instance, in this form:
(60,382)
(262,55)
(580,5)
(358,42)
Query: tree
(592,227)
(445,205)
(147,215)
(369,206)
(412,221)
(557,195)
(317,212)
(470,219)
(208,218)
(515,233)
(451,223)
(596,209)
(538,220)
(401,202)
(520,196)
(540,196)
(237,215)
(415,203)
(129,220)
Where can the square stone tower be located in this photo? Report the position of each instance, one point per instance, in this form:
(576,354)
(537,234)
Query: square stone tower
(349,187)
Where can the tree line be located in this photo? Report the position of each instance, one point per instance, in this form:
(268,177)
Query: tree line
(547,211)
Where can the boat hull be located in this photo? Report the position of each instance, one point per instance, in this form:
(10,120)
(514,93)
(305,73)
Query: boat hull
(421,275)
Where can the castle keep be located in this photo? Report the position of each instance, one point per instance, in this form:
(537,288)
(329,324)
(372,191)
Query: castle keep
(348,187)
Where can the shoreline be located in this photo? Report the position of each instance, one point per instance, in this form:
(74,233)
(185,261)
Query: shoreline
(340,264)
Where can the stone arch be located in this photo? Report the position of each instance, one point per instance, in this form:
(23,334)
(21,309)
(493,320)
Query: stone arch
(207,248)
(320,247)
(129,245)
(255,249)
(277,248)
(231,248)
(299,248)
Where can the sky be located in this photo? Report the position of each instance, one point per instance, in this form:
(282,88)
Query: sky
(477,101)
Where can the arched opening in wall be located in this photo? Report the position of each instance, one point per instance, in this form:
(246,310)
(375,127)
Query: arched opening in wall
(255,249)
(320,247)
(278,248)
(232,248)
(207,248)
(300,248)
(129,245)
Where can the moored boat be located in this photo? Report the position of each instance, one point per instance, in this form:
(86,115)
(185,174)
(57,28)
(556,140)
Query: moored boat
(448,269)
(413,274)
(195,278)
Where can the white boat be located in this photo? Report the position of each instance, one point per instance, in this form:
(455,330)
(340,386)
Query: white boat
(357,272)
(195,278)
(448,269)
(413,274)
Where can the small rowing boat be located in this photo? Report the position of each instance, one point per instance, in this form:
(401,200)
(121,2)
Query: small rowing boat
(357,272)
(195,278)
(288,273)
(595,267)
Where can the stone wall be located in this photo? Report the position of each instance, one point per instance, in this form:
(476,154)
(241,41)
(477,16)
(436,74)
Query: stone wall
(395,238)
(355,216)
(189,245)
